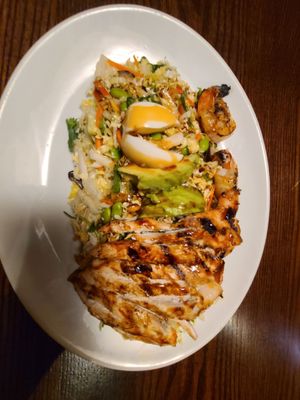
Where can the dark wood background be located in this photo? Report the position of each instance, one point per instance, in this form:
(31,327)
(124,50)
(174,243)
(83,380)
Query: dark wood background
(257,355)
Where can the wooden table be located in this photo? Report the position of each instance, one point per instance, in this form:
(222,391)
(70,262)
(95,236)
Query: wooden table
(257,355)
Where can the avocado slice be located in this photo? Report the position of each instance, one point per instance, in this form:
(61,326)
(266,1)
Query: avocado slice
(156,179)
(178,201)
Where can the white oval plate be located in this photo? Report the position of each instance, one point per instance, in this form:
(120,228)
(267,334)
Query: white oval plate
(36,245)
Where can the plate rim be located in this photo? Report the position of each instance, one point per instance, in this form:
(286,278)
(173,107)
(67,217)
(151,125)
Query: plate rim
(6,92)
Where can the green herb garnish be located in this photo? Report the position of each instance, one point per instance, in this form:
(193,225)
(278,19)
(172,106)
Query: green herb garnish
(93,227)
(183,102)
(73,129)
(155,67)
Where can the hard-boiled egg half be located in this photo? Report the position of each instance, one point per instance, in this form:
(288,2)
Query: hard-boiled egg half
(147,154)
(147,117)
(144,118)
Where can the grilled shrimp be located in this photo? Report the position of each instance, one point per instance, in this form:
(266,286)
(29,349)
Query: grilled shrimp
(226,177)
(214,114)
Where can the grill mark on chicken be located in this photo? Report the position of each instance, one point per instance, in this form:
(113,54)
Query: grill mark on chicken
(208,225)
(132,253)
(163,253)
(172,260)
(224,239)
(137,269)
(147,224)
(139,323)
(229,216)
(166,251)
(139,288)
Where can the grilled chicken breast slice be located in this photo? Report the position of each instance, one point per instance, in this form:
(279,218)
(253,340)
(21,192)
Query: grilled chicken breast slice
(161,293)
(182,252)
(129,319)
(216,228)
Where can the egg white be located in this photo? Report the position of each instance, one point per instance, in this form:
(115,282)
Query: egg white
(147,154)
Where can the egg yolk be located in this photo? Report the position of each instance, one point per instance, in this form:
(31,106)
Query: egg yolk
(147,117)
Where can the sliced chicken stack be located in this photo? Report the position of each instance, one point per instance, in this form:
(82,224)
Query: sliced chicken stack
(151,285)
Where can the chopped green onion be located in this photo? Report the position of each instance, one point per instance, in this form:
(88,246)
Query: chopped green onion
(156,136)
(73,130)
(183,102)
(116,185)
(123,106)
(151,98)
(92,227)
(117,209)
(106,214)
(102,125)
(204,145)
(119,93)
(115,153)
(185,151)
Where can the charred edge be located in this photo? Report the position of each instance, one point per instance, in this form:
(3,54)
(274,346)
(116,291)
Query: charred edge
(218,108)
(147,289)
(206,156)
(220,267)
(144,269)
(93,292)
(221,156)
(189,242)
(203,264)
(170,258)
(179,271)
(143,249)
(218,275)
(208,225)
(229,216)
(222,253)
(224,90)
(132,253)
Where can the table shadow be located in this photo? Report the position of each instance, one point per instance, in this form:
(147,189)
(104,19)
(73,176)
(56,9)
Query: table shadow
(26,352)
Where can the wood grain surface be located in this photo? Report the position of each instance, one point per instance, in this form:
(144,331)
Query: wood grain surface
(257,355)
